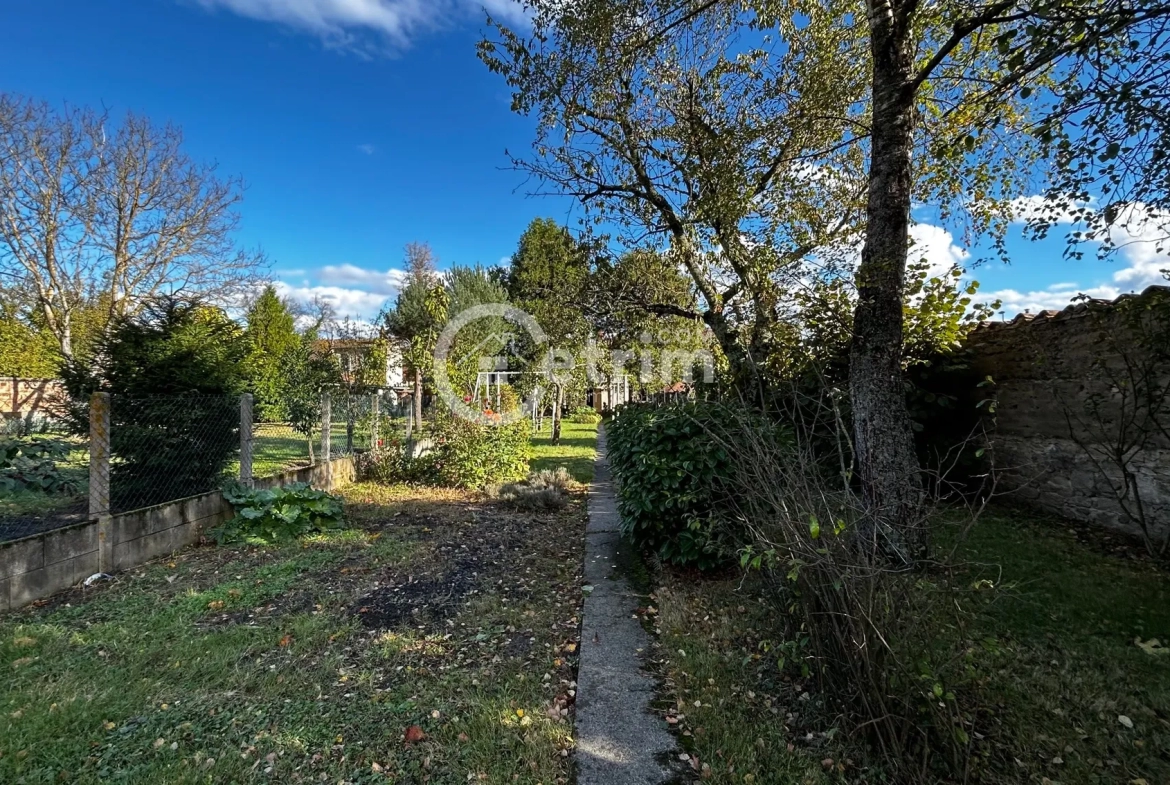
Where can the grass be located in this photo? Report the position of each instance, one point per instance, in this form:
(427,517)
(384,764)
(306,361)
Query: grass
(277,448)
(434,640)
(1068,619)
(23,512)
(1059,668)
(576,452)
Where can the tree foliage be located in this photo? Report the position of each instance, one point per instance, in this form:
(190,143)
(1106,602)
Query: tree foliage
(706,141)
(174,372)
(271,335)
(548,278)
(467,288)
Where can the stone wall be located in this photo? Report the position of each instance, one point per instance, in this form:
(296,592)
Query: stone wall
(39,566)
(1059,410)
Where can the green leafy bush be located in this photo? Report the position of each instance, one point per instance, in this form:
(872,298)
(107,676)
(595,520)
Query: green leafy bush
(32,466)
(475,455)
(584,415)
(671,476)
(275,514)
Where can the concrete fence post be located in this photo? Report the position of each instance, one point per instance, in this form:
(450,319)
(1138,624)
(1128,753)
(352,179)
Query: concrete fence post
(99,476)
(326,432)
(246,437)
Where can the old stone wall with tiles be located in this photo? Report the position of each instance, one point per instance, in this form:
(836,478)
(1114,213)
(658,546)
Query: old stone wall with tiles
(1059,409)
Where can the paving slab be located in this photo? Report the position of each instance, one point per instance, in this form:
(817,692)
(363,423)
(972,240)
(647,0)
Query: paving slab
(620,741)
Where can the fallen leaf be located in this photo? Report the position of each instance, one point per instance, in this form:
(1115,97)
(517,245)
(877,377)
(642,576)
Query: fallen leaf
(1126,721)
(414,734)
(286,640)
(1153,646)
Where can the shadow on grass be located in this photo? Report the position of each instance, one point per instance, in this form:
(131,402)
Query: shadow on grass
(157,675)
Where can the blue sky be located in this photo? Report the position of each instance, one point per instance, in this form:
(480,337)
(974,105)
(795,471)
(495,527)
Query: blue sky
(361,125)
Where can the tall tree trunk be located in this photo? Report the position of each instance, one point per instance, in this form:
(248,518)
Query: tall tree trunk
(558,405)
(418,399)
(883,441)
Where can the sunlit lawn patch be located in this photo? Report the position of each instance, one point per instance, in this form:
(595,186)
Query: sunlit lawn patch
(576,452)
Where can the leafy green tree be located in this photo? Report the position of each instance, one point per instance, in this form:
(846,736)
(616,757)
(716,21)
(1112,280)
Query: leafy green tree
(411,321)
(760,140)
(973,59)
(548,278)
(359,357)
(26,351)
(271,334)
(307,373)
(737,160)
(174,373)
(645,310)
(468,287)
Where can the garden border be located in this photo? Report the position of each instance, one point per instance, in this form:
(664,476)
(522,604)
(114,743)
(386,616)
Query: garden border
(39,566)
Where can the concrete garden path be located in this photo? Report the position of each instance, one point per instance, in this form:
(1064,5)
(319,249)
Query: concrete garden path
(619,740)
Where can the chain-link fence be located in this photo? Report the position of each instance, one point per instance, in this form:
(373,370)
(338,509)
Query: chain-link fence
(280,447)
(44,477)
(142,452)
(171,447)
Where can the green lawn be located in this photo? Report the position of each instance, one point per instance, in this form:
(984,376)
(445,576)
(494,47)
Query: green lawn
(24,512)
(576,452)
(434,640)
(1057,669)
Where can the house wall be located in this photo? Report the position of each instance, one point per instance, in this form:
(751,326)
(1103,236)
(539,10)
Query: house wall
(22,397)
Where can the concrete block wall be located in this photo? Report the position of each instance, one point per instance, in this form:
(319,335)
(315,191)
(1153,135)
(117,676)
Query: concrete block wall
(1045,367)
(37,567)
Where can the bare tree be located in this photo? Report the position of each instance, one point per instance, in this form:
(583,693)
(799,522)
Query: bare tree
(95,214)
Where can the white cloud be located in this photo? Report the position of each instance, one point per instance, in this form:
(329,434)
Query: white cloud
(1140,235)
(937,246)
(385,284)
(928,242)
(1059,211)
(344,22)
(1142,238)
(353,292)
(368,149)
(352,303)
(1052,298)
